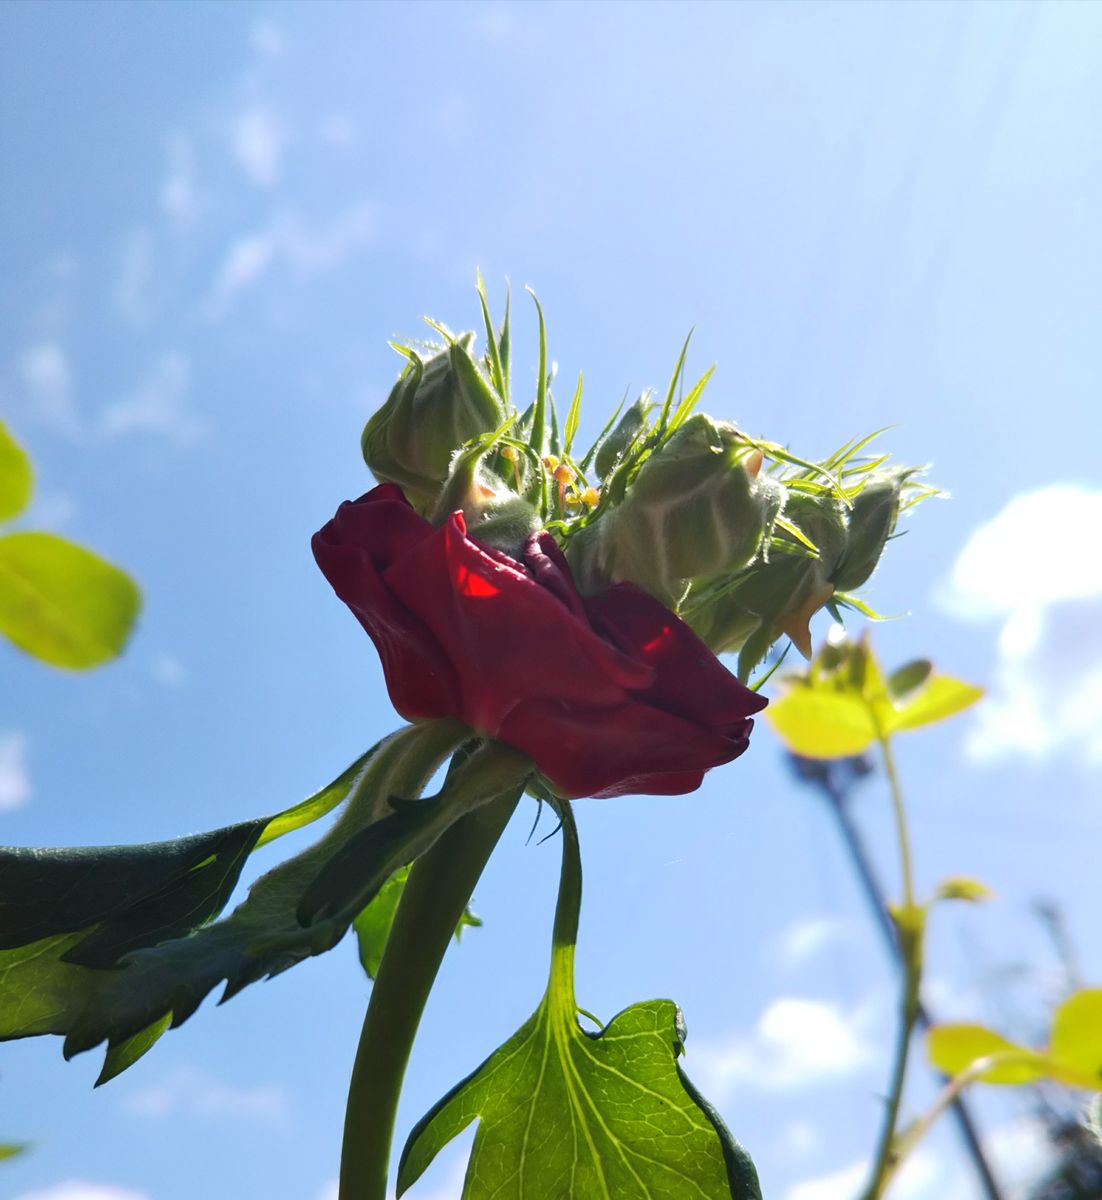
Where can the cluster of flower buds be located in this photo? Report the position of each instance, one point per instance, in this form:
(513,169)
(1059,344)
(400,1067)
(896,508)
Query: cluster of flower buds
(741,539)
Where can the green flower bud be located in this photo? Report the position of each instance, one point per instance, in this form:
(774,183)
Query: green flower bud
(697,507)
(437,404)
(871,522)
(493,512)
(628,428)
(775,595)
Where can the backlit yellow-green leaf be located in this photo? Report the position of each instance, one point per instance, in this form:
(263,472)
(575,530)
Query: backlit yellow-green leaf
(954,1048)
(962,887)
(62,603)
(941,697)
(16,476)
(1077,1034)
(821,723)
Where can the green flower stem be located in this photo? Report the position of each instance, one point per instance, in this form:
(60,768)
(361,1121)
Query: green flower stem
(909,921)
(436,894)
(948,1095)
(564,934)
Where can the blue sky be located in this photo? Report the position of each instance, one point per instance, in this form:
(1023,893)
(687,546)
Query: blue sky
(213,218)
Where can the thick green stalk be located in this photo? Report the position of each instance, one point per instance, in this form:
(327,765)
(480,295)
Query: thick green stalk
(439,887)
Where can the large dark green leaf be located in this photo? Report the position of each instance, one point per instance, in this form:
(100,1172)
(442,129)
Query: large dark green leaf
(160,983)
(563,1112)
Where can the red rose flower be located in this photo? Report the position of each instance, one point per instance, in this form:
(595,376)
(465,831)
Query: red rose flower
(608,694)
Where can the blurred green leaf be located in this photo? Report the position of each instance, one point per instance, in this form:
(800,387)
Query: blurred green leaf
(1073,1058)
(940,697)
(1077,1033)
(818,723)
(11,1149)
(962,887)
(16,476)
(954,1048)
(62,603)
(842,703)
(908,678)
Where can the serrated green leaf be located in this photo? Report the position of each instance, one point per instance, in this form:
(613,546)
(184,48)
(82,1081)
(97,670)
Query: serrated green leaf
(62,603)
(16,476)
(566,1113)
(816,723)
(940,697)
(43,991)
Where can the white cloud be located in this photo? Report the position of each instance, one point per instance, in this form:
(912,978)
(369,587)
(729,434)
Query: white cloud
(180,197)
(168,670)
(796,1043)
(1020,1152)
(15,779)
(75,1189)
(189,1091)
(132,288)
(48,381)
(337,129)
(844,1184)
(266,40)
(304,248)
(806,938)
(1032,568)
(922,1177)
(157,406)
(257,141)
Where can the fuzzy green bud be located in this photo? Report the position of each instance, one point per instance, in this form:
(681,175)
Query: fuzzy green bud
(437,404)
(493,512)
(778,594)
(697,507)
(628,428)
(871,522)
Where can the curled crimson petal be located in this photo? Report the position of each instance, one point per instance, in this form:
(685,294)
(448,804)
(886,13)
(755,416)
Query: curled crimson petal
(607,695)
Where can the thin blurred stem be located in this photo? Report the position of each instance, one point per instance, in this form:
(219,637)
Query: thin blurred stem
(436,894)
(949,1095)
(909,921)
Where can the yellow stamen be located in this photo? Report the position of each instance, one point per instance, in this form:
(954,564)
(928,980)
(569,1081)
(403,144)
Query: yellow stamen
(550,461)
(562,474)
(591,497)
(510,453)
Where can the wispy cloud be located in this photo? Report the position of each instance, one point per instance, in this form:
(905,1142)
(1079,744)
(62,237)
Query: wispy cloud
(135,278)
(257,141)
(189,1091)
(167,670)
(923,1176)
(157,406)
(806,938)
(306,249)
(47,381)
(797,1042)
(1030,569)
(181,200)
(15,779)
(75,1189)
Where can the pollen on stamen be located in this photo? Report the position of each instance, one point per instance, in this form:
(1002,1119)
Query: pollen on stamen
(562,475)
(509,453)
(550,461)
(591,497)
